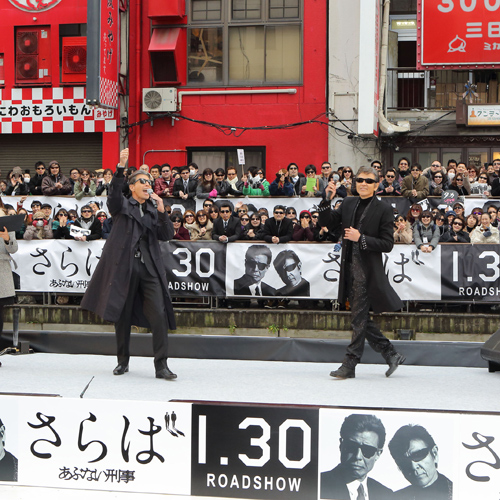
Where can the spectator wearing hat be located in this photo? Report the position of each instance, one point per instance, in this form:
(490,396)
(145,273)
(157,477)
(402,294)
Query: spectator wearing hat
(450,215)
(425,233)
(304,230)
(55,184)
(415,186)
(16,185)
(39,229)
(46,208)
(88,221)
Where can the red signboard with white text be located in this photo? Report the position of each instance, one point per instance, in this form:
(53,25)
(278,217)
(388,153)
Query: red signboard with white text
(458,34)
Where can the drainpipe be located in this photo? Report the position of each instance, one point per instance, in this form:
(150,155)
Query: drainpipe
(138,90)
(385,125)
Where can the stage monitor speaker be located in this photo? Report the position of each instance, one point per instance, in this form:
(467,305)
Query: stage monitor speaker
(491,352)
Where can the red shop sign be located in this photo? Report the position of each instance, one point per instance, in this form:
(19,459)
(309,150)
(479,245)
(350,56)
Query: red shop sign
(458,34)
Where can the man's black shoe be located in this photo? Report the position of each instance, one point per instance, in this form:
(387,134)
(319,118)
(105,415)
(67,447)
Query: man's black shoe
(394,361)
(166,374)
(343,372)
(120,369)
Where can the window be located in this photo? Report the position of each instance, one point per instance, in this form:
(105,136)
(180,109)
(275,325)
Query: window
(226,157)
(239,42)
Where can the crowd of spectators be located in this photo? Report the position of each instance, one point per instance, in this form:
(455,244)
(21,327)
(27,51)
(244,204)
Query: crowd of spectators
(224,220)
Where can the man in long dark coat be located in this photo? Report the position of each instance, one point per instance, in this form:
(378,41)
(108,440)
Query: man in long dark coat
(129,285)
(368,226)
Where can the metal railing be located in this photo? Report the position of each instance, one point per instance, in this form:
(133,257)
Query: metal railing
(409,88)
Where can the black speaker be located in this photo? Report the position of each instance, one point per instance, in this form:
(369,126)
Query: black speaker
(491,352)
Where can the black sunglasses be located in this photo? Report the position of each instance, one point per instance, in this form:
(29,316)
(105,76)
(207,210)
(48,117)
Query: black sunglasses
(252,264)
(279,212)
(417,456)
(225,211)
(144,181)
(352,447)
(290,267)
(361,180)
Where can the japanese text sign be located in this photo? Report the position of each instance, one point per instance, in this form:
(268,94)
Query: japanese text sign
(458,34)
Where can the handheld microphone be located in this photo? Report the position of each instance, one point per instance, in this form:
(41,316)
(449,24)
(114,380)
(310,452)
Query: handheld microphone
(150,192)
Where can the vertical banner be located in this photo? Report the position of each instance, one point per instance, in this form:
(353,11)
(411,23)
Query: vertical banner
(254,452)
(369,50)
(103,53)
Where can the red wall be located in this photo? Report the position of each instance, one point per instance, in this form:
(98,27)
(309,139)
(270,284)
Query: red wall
(303,145)
(66,12)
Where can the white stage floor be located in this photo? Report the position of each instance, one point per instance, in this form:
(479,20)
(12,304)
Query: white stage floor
(412,387)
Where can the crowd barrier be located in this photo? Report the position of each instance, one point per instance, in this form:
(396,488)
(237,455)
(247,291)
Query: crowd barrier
(451,273)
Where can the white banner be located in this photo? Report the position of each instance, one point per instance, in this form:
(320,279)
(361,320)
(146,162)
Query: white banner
(56,265)
(99,444)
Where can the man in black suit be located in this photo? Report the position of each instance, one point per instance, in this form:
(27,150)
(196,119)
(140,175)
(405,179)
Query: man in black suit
(8,462)
(185,187)
(278,229)
(226,228)
(257,261)
(362,439)
(368,226)
(416,455)
(129,285)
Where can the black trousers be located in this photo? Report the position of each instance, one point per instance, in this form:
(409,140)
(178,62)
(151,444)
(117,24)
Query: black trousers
(151,291)
(362,326)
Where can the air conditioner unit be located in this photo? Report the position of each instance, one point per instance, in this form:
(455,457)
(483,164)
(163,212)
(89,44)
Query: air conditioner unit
(159,100)
(33,56)
(74,59)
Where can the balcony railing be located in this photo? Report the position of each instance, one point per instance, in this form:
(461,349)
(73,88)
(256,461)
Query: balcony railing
(408,88)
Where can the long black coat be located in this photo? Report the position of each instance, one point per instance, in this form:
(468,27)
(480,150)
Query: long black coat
(110,282)
(378,229)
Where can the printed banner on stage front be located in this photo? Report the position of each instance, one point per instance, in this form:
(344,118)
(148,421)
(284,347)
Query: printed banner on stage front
(98,444)
(251,451)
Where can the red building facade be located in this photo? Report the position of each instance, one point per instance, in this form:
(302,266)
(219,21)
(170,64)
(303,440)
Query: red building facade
(253,66)
(43,115)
